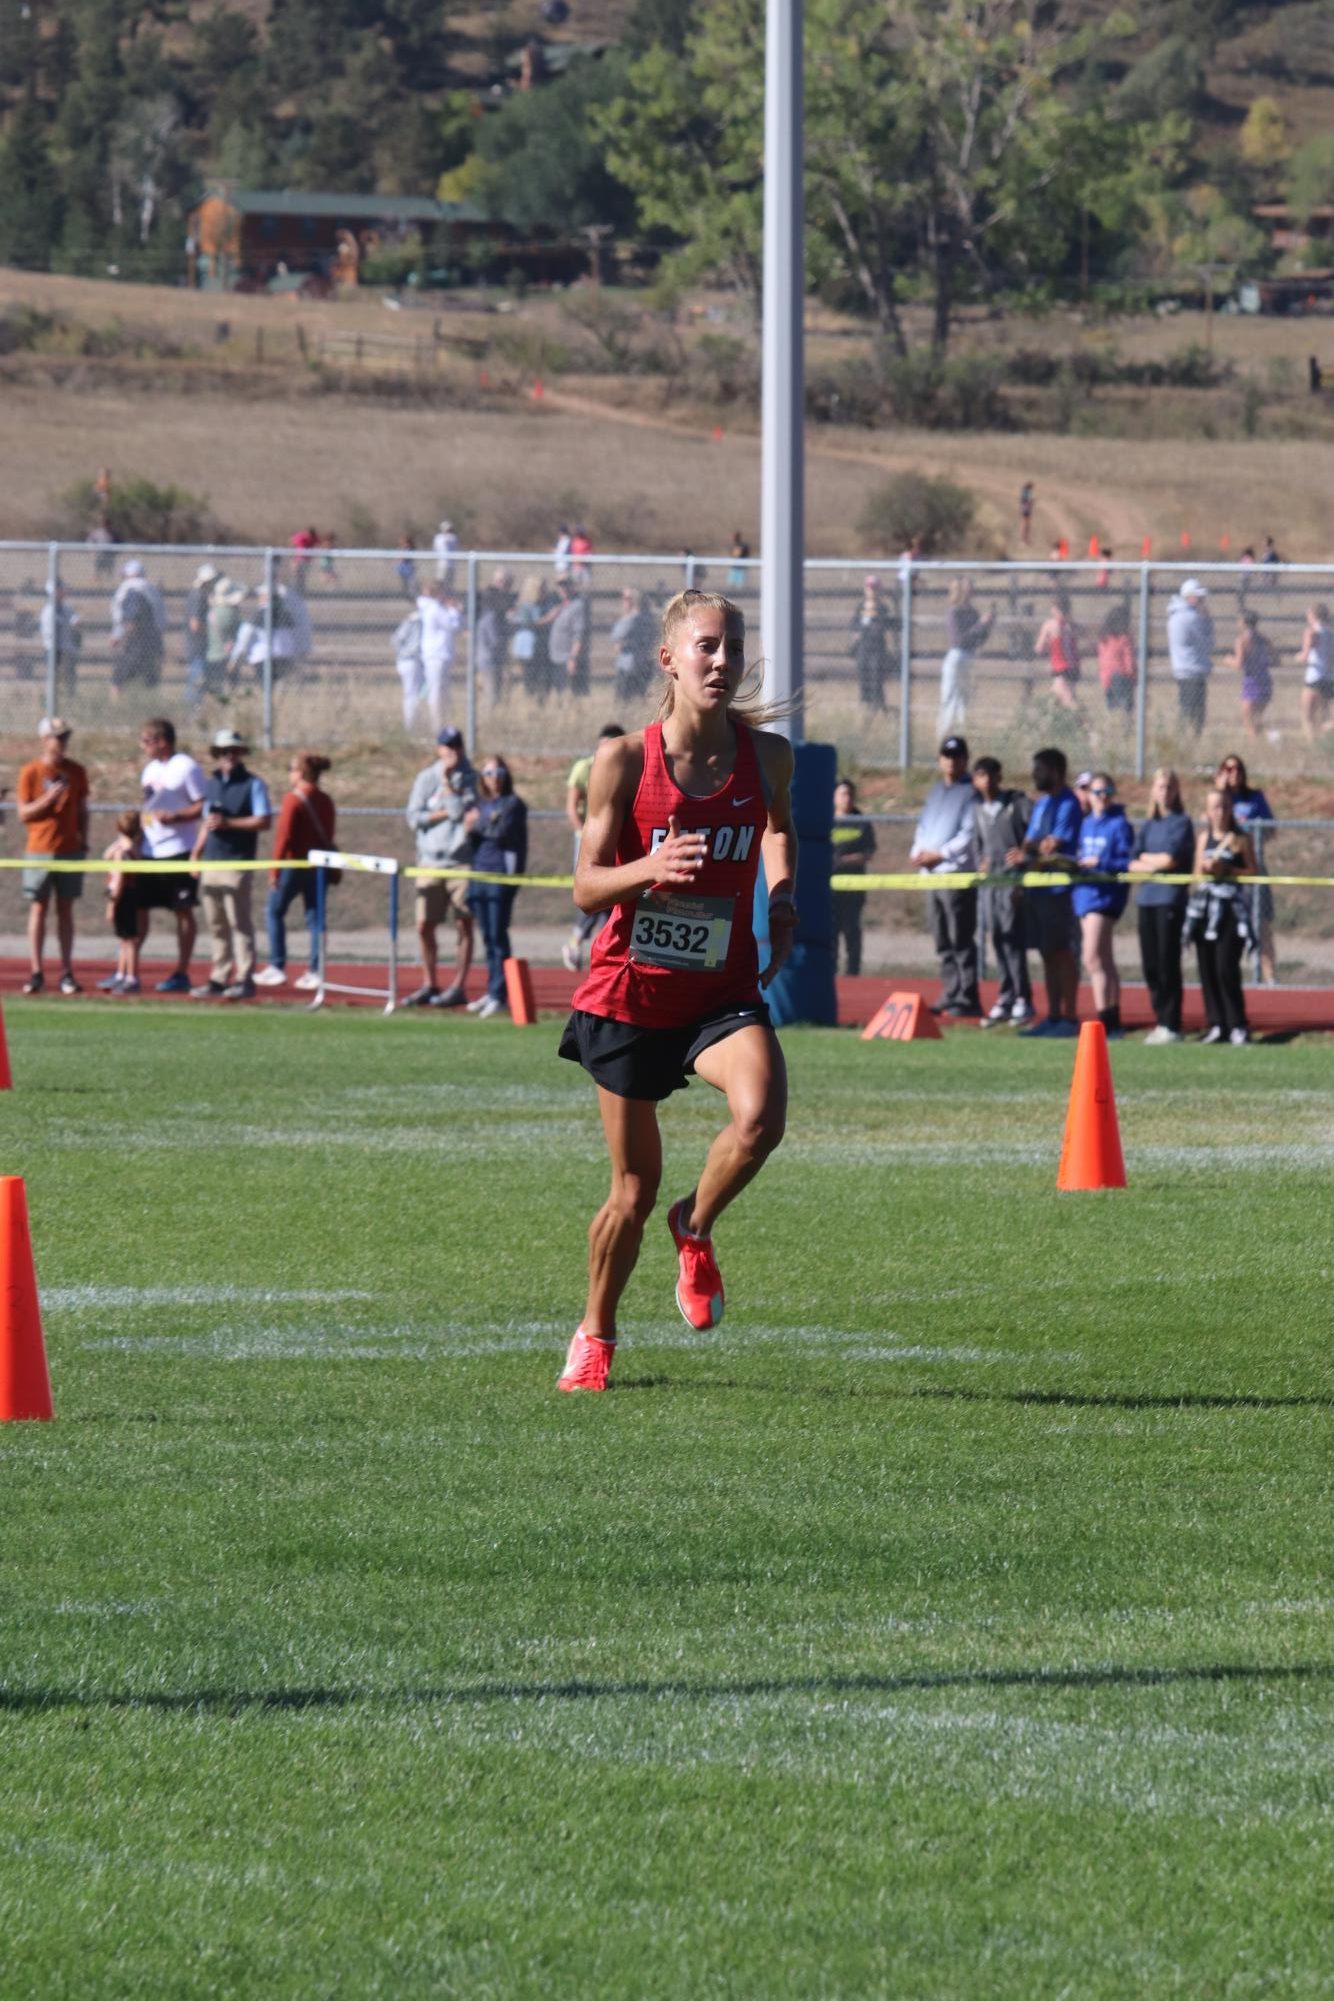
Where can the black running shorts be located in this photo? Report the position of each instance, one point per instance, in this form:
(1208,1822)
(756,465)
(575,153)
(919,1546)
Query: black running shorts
(650,1063)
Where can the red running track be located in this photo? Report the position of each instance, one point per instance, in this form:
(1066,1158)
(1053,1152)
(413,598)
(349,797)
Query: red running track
(1271,1010)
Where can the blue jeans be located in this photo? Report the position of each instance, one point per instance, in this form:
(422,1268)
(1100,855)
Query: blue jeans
(292,882)
(492,903)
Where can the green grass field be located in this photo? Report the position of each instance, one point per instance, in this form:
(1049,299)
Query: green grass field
(955,1621)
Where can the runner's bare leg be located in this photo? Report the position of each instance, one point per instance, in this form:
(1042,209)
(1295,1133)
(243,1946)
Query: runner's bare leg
(748,1069)
(616,1232)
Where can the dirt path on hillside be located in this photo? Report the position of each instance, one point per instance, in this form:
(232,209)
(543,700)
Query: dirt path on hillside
(1064,510)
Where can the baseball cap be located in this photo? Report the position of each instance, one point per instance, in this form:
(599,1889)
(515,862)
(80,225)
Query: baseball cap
(228,740)
(54,726)
(207,573)
(954,746)
(132,567)
(1084,778)
(449,739)
(1193,588)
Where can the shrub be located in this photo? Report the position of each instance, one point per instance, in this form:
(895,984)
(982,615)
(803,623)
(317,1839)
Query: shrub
(916,503)
(139,511)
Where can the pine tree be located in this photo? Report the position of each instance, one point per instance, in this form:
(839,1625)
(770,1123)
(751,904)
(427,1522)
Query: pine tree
(29,202)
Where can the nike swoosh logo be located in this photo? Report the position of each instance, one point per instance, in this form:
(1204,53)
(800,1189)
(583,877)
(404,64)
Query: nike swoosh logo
(744,802)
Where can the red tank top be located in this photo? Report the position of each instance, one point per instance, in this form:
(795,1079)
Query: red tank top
(676,955)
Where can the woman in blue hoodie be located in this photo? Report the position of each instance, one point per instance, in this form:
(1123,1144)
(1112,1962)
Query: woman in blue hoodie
(1105,842)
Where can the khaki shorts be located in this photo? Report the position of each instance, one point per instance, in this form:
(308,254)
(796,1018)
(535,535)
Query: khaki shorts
(439,897)
(39,881)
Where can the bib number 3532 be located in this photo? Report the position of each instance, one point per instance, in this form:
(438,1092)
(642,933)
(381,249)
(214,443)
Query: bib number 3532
(692,932)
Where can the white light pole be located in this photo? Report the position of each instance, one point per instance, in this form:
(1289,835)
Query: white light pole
(782,467)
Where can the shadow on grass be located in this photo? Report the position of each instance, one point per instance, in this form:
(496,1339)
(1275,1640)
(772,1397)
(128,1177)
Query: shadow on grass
(235,1701)
(1091,1400)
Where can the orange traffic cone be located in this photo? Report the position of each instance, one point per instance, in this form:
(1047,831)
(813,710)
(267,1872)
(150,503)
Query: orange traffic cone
(519,993)
(6,1074)
(903,1018)
(25,1388)
(1091,1150)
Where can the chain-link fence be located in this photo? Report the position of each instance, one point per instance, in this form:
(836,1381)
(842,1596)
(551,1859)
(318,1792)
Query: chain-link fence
(337,647)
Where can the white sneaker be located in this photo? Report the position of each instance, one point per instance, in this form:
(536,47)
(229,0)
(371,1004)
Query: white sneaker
(1022,1011)
(1158,1037)
(476,1006)
(998,1013)
(1212,1035)
(489,1006)
(307,982)
(1238,1036)
(271,976)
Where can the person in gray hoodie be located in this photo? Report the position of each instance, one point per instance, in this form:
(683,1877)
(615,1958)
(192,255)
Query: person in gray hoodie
(1002,822)
(438,806)
(1190,647)
(945,843)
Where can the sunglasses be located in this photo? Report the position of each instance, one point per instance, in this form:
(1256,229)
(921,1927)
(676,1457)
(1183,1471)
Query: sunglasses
(1100,792)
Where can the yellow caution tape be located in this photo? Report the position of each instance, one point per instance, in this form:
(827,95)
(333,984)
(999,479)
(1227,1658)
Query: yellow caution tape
(1057,879)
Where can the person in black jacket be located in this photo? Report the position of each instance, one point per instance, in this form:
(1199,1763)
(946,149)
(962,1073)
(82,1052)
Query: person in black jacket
(499,827)
(1165,845)
(1002,822)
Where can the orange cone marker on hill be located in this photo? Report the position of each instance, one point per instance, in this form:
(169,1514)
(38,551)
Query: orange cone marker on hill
(25,1388)
(6,1074)
(1091,1150)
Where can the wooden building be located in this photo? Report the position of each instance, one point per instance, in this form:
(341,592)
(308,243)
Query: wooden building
(246,239)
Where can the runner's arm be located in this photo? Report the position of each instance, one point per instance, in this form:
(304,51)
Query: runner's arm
(599,882)
(778,850)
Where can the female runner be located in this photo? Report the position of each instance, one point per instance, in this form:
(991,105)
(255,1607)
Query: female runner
(679,815)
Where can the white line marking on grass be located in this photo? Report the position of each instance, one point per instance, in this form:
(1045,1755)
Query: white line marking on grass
(113,1298)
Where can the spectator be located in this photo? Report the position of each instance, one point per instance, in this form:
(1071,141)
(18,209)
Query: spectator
(223,623)
(529,644)
(138,626)
(445,545)
(303,545)
(62,641)
(1271,556)
(196,631)
(587,923)
(1165,845)
(438,805)
(966,633)
(172,788)
(1080,788)
(53,806)
(567,639)
(1116,661)
(1313,657)
(1058,639)
(635,637)
(408,663)
(306,820)
(491,638)
(1190,646)
(236,812)
(740,554)
(1002,822)
(1249,805)
(1026,513)
(1051,845)
(909,558)
(870,644)
(945,843)
(100,539)
(854,845)
(499,827)
(1105,842)
(327,569)
(271,635)
(405,569)
(560,555)
(125,914)
(1253,659)
(441,620)
(1216,917)
(581,547)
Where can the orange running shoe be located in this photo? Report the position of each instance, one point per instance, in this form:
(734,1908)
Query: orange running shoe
(588,1364)
(699,1289)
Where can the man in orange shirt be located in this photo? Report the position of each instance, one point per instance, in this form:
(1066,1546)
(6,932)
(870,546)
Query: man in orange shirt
(53,806)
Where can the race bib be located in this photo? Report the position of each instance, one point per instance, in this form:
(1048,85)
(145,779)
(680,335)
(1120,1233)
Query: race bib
(691,932)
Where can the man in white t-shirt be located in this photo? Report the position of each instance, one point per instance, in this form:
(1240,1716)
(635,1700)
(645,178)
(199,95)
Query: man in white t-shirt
(445,545)
(441,617)
(173,792)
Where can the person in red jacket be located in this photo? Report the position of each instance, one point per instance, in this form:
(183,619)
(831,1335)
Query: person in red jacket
(679,816)
(306,820)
